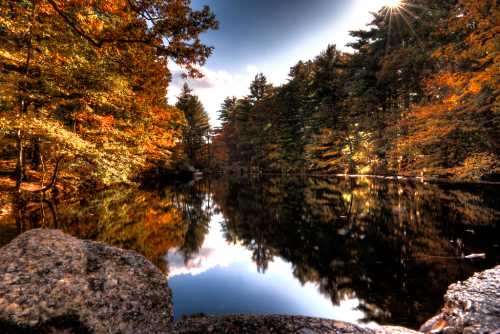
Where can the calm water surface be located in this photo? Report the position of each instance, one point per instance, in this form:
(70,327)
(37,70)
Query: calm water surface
(360,250)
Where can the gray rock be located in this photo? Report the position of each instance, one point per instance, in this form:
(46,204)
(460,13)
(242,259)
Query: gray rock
(472,306)
(47,277)
(246,324)
(395,330)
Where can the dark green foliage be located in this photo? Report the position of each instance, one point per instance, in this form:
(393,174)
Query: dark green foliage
(196,131)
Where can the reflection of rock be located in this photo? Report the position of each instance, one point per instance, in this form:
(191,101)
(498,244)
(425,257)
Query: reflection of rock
(472,306)
(47,277)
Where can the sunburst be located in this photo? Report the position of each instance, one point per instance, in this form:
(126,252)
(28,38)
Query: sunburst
(393,4)
(393,9)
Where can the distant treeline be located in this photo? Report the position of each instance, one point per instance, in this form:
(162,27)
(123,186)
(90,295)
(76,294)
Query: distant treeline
(419,94)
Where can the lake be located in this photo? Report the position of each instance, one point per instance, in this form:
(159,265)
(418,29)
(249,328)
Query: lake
(362,250)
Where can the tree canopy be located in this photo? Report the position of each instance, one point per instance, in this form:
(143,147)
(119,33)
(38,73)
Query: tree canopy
(417,95)
(88,80)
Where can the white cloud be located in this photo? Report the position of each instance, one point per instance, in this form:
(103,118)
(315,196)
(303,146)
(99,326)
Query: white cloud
(252,69)
(217,85)
(215,252)
(213,88)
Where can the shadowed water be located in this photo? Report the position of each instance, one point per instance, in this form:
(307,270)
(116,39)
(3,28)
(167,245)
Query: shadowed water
(360,250)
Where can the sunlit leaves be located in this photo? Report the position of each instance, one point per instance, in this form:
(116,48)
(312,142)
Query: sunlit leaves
(97,76)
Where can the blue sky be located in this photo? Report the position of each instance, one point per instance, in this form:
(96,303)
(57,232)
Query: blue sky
(222,278)
(268,36)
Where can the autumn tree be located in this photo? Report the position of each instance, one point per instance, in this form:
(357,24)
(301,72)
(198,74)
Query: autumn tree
(418,95)
(95,89)
(456,131)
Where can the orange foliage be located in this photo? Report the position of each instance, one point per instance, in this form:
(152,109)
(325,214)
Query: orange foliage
(98,75)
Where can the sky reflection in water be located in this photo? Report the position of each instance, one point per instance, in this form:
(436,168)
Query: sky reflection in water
(223,279)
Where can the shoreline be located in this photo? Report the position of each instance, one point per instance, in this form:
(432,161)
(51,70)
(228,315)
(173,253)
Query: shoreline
(51,282)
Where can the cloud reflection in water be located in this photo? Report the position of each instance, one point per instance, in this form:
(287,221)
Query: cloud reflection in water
(222,279)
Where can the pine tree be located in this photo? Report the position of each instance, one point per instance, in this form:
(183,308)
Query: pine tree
(196,131)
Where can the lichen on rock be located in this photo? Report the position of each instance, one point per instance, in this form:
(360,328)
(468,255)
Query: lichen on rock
(47,275)
(472,306)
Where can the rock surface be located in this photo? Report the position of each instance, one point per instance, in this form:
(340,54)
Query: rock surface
(52,280)
(395,330)
(245,324)
(472,306)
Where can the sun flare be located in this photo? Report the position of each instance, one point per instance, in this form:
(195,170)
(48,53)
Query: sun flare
(392,3)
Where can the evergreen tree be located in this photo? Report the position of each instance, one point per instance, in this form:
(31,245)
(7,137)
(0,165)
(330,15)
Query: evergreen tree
(196,131)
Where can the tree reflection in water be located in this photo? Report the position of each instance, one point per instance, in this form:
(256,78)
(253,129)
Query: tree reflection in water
(397,246)
(150,222)
(394,245)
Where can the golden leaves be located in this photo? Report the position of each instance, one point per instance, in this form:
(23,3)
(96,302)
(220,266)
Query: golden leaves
(104,104)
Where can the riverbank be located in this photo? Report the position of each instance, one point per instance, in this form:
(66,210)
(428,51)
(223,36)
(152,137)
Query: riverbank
(247,324)
(54,283)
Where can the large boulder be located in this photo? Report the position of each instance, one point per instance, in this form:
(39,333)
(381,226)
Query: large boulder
(472,306)
(49,280)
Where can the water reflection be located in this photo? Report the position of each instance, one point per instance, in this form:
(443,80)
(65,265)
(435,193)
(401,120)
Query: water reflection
(396,245)
(214,252)
(223,279)
(149,222)
(360,250)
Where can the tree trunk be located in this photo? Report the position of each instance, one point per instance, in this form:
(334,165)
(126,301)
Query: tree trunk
(23,103)
(19,162)
(52,183)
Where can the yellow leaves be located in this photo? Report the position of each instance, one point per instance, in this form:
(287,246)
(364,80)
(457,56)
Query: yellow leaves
(470,64)
(452,100)
(114,162)
(112,7)
(45,8)
(104,104)
(452,80)
(104,123)
(9,56)
(457,87)
(476,165)
(475,87)
(97,26)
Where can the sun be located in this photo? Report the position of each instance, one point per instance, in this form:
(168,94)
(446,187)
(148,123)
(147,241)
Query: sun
(393,4)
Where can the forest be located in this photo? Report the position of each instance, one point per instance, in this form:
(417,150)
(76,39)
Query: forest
(418,95)
(83,96)
(83,87)
(355,192)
